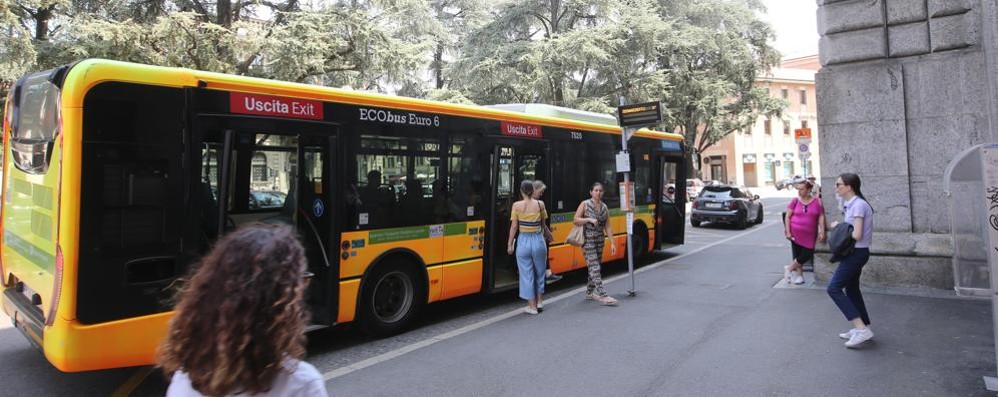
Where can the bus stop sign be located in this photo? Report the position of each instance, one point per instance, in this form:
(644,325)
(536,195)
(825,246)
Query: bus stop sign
(639,114)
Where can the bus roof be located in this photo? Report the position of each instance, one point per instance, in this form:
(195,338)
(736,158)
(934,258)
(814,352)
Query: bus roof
(91,72)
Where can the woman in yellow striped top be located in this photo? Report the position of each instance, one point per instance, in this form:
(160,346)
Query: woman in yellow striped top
(531,251)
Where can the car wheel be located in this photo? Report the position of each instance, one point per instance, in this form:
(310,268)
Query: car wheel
(743,222)
(758,219)
(391,299)
(695,222)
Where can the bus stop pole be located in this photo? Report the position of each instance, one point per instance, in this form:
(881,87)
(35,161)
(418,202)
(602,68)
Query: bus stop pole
(628,215)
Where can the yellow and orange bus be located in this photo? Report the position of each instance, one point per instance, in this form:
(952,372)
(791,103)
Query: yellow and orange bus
(118,176)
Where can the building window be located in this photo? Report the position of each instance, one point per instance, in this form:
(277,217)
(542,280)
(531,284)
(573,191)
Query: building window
(803,124)
(803,97)
(785,94)
(786,127)
(768,126)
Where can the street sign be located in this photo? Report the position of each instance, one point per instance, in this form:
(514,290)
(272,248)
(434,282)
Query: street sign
(802,135)
(623,162)
(626,196)
(803,148)
(639,114)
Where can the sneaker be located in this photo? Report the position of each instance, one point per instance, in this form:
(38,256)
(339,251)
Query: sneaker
(786,274)
(591,297)
(530,311)
(552,278)
(798,280)
(858,337)
(848,334)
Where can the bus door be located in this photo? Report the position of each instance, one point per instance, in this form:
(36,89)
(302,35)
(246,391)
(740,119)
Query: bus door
(253,169)
(671,170)
(512,163)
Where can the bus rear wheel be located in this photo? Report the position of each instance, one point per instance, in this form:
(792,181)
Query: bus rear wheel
(639,243)
(391,299)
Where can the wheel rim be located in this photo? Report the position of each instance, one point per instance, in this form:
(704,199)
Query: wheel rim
(392,297)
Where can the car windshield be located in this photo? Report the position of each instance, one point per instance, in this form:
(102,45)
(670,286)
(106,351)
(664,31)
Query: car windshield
(720,192)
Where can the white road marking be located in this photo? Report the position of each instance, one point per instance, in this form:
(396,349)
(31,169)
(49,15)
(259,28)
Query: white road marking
(348,369)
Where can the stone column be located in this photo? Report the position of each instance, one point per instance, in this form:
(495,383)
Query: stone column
(905,85)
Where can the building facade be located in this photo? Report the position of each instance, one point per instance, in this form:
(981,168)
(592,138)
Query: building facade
(904,87)
(768,152)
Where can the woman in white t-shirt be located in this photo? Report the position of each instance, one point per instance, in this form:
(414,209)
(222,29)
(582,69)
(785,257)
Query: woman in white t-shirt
(239,327)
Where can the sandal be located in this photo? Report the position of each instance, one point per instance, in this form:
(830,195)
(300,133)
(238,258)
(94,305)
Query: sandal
(607,301)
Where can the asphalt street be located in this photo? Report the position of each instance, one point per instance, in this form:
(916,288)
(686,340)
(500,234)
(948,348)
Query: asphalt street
(706,320)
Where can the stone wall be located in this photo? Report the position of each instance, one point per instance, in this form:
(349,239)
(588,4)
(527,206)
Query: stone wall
(905,86)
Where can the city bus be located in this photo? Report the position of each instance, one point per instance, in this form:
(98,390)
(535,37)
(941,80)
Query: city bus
(117,177)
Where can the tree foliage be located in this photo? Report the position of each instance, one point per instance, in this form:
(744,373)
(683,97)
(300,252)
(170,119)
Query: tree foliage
(699,57)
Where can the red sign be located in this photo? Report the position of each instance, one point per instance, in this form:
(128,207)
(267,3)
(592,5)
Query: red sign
(519,129)
(267,105)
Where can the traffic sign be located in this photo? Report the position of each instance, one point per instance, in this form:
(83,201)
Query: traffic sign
(802,135)
(804,156)
(803,148)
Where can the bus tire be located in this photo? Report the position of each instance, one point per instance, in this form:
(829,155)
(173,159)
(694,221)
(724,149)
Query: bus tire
(391,299)
(639,242)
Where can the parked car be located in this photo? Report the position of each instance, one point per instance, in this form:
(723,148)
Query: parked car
(733,205)
(788,183)
(266,199)
(693,187)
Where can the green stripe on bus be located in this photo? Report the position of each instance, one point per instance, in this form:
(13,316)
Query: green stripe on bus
(32,253)
(398,234)
(452,229)
(562,217)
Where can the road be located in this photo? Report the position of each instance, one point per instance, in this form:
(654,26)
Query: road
(706,320)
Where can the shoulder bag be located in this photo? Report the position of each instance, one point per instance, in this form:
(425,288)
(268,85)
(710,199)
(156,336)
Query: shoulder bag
(577,235)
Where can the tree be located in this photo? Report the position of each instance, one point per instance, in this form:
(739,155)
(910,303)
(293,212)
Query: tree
(580,54)
(712,68)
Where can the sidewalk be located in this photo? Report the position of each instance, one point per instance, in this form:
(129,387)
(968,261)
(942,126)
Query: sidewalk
(706,324)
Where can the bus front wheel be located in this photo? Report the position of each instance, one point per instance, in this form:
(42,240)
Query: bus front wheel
(391,299)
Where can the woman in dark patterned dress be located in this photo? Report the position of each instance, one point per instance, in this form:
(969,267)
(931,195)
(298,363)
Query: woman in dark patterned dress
(595,217)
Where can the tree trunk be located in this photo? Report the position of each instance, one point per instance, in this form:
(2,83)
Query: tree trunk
(438,65)
(42,18)
(225,13)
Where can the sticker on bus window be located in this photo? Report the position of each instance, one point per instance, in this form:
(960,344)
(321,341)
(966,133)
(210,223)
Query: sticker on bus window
(561,204)
(362,219)
(436,231)
(318,208)
(471,211)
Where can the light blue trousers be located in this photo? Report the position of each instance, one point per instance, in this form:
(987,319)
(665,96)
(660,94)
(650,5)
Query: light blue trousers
(531,259)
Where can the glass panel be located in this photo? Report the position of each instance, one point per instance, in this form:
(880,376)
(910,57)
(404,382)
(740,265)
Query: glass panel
(274,159)
(669,181)
(465,181)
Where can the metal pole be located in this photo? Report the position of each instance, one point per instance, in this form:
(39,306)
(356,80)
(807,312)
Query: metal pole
(627,227)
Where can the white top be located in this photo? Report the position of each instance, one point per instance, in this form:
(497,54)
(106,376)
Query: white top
(301,381)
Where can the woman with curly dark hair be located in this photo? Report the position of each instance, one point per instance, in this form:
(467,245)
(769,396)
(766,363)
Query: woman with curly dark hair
(239,325)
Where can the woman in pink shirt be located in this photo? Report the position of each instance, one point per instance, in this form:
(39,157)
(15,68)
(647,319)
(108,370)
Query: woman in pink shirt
(804,225)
